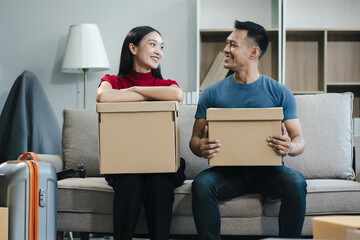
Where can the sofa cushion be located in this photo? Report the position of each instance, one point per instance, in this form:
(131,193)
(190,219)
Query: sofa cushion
(85,195)
(80,140)
(326,121)
(94,195)
(325,197)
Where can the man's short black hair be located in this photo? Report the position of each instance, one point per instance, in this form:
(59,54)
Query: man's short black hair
(256,32)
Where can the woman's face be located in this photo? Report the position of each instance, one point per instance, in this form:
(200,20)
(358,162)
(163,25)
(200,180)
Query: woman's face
(148,54)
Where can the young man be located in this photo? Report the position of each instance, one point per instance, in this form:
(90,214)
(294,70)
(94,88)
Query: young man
(247,88)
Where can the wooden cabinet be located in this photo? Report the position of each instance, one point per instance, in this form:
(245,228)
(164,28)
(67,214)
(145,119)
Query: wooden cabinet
(319,61)
(311,60)
(343,64)
(215,21)
(304,65)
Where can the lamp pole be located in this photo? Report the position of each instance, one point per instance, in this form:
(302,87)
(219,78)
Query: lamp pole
(85,70)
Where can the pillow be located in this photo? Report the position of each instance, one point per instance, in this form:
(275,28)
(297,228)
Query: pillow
(326,121)
(80,140)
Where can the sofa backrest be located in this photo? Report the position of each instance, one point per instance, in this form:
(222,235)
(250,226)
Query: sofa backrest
(80,140)
(325,119)
(194,164)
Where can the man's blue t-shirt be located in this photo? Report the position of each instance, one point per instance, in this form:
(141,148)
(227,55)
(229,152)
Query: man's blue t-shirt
(263,93)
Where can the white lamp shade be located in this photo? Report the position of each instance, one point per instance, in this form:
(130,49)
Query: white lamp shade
(84,49)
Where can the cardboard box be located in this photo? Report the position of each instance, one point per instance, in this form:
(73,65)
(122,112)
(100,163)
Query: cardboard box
(138,137)
(4,223)
(243,134)
(334,227)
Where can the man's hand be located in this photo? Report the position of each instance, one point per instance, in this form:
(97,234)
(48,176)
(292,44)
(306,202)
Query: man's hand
(281,144)
(200,144)
(208,147)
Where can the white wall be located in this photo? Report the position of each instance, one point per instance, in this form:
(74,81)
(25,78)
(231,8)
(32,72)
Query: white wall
(33,37)
(217,14)
(222,14)
(322,14)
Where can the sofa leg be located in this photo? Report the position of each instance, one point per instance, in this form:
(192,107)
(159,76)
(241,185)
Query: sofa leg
(84,236)
(60,236)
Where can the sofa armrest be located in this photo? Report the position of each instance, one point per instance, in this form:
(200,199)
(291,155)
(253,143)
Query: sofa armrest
(55,160)
(356,140)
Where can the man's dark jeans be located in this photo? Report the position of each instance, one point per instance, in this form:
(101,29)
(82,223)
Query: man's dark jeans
(224,183)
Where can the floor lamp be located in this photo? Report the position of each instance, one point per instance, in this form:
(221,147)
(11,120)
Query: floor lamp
(84,52)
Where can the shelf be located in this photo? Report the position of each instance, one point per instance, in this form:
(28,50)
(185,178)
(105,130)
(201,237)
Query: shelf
(343,83)
(320,58)
(268,64)
(304,68)
(211,43)
(343,59)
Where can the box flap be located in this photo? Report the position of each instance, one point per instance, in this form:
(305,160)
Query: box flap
(235,114)
(145,106)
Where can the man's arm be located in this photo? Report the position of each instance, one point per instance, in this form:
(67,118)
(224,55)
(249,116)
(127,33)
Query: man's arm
(200,144)
(291,142)
(105,93)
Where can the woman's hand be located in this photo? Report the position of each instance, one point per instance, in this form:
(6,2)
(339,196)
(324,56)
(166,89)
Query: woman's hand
(162,93)
(130,89)
(105,93)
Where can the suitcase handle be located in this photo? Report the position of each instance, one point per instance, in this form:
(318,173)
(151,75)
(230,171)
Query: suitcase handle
(25,156)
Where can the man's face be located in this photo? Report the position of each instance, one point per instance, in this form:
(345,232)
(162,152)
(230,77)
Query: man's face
(237,52)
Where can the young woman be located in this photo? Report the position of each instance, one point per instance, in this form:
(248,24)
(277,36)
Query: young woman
(140,79)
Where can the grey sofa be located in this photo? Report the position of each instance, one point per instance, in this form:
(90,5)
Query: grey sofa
(85,205)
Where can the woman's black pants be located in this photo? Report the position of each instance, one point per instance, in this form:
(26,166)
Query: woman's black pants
(156,191)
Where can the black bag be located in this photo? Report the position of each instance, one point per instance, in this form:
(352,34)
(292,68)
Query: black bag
(69,173)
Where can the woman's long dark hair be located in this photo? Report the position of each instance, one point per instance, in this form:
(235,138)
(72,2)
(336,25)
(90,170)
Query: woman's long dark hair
(126,59)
